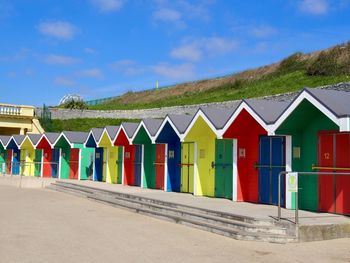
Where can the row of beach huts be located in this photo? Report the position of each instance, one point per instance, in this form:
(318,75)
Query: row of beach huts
(235,153)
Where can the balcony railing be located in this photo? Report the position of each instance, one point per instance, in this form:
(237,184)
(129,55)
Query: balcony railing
(16,110)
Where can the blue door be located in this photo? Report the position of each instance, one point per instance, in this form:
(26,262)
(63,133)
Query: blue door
(15,161)
(55,162)
(138,165)
(174,168)
(98,164)
(271,162)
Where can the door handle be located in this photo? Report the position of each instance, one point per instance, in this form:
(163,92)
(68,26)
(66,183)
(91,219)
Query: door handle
(212,165)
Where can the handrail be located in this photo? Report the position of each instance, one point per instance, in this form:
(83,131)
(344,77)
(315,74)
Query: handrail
(297,193)
(268,166)
(330,168)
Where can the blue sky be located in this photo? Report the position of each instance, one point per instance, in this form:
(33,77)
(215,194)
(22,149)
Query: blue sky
(102,48)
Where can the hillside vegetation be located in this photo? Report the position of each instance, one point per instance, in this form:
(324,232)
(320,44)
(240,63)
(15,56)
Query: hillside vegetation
(83,124)
(291,74)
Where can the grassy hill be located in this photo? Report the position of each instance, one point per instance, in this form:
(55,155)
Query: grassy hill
(83,124)
(291,74)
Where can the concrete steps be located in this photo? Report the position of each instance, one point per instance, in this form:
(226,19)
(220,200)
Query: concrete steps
(227,224)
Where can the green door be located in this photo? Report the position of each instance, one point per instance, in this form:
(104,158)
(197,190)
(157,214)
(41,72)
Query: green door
(37,163)
(120,164)
(3,158)
(223,168)
(187,167)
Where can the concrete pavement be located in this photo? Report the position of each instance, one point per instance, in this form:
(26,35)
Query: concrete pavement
(38,225)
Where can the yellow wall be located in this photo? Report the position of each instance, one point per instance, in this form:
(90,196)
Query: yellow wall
(27,156)
(110,158)
(204,137)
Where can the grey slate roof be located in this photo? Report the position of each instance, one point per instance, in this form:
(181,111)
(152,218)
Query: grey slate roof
(97,133)
(34,138)
(4,139)
(181,122)
(112,131)
(219,116)
(268,110)
(76,137)
(152,125)
(19,139)
(130,128)
(336,101)
(52,136)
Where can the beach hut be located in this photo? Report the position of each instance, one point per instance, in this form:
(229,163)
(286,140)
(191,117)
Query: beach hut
(31,157)
(198,149)
(255,158)
(110,153)
(76,161)
(171,133)
(146,154)
(99,167)
(319,122)
(5,155)
(50,155)
(13,144)
(126,153)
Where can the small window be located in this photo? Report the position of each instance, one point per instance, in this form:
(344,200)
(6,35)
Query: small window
(171,154)
(98,155)
(241,152)
(202,153)
(296,152)
(127,155)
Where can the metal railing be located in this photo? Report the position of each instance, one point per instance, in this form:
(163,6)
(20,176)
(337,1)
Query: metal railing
(22,166)
(297,192)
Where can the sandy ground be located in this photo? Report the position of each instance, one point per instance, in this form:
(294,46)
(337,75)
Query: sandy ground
(47,226)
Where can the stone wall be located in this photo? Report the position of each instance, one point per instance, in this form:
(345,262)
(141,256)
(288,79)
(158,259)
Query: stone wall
(162,112)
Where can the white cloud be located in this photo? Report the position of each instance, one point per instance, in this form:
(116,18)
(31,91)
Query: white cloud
(57,29)
(62,81)
(195,49)
(180,11)
(189,52)
(60,60)
(90,73)
(128,67)
(262,31)
(107,6)
(177,72)
(167,15)
(90,50)
(314,7)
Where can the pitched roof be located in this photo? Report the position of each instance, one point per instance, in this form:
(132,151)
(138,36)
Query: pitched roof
(34,138)
(336,101)
(97,133)
(218,116)
(4,139)
(112,131)
(76,137)
(52,136)
(18,139)
(181,122)
(152,125)
(268,110)
(130,128)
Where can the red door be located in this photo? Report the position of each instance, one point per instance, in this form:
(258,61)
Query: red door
(160,166)
(47,152)
(326,187)
(342,205)
(9,162)
(74,164)
(129,159)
